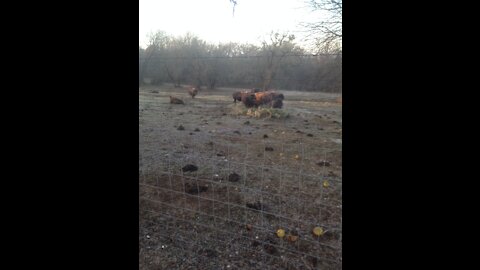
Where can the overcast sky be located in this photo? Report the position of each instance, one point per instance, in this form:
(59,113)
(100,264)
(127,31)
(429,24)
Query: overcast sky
(213,21)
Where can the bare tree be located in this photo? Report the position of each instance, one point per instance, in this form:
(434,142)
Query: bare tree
(156,42)
(327,32)
(196,49)
(175,64)
(275,50)
(278,63)
(213,64)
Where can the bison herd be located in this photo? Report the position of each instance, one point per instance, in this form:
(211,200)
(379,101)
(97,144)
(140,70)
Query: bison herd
(250,98)
(256,97)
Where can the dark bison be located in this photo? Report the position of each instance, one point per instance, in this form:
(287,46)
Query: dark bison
(277,103)
(278,96)
(193,91)
(249,100)
(175,100)
(239,95)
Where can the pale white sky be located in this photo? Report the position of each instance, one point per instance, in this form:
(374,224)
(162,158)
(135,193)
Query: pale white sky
(213,21)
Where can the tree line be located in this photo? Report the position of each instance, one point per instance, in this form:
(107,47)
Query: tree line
(278,63)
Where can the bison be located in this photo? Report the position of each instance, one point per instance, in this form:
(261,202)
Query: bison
(267,98)
(277,103)
(276,100)
(237,96)
(240,95)
(175,100)
(193,91)
(249,99)
(278,96)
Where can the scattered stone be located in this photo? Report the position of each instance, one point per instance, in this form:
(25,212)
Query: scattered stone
(323,163)
(330,173)
(189,168)
(208,253)
(270,249)
(257,206)
(194,189)
(234,177)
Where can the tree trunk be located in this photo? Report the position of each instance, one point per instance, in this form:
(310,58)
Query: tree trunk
(212,84)
(268,79)
(142,72)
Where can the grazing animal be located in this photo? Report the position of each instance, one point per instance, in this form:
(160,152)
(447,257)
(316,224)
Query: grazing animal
(237,96)
(267,98)
(175,100)
(240,95)
(245,95)
(278,96)
(193,91)
(249,100)
(277,104)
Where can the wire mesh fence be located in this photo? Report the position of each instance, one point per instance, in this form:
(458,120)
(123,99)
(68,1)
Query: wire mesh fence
(232,202)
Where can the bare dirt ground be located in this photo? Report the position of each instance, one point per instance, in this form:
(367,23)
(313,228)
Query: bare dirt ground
(254,176)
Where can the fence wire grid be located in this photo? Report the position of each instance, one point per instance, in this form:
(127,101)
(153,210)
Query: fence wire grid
(227,213)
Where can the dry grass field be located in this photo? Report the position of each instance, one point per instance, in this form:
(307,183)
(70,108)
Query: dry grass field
(253,177)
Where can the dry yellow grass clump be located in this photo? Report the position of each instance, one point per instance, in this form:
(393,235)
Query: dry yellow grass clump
(261,112)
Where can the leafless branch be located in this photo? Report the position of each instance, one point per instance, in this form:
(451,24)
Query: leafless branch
(234,2)
(328,30)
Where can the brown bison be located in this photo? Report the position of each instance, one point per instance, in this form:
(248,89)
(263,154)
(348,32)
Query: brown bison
(175,100)
(267,98)
(237,96)
(270,99)
(193,91)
